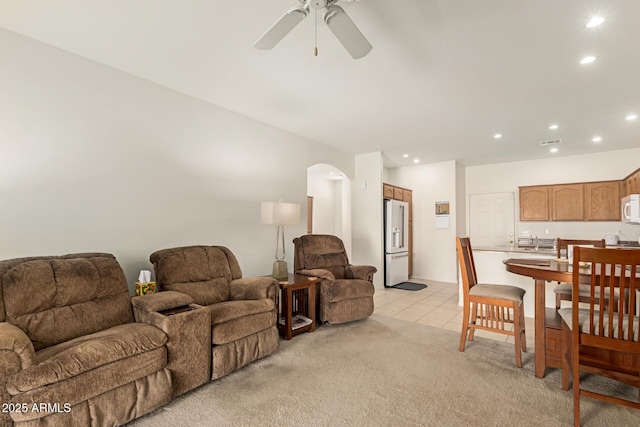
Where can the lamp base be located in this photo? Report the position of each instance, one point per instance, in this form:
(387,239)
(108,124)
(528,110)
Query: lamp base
(280,270)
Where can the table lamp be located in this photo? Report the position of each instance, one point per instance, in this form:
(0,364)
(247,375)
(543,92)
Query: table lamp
(279,213)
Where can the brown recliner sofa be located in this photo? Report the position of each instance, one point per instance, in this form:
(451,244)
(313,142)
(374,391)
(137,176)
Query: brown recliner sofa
(243,310)
(346,291)
(70,351)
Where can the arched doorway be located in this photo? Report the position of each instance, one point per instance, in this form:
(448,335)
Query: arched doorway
(330,207)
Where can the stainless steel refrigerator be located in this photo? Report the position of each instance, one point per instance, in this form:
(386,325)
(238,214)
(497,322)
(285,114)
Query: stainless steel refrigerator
(396,242)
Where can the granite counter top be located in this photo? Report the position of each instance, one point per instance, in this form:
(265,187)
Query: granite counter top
(507,249)
(544,251)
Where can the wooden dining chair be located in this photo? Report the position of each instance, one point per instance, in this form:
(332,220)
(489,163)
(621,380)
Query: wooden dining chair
(564,291)
(489,307)
(603,338)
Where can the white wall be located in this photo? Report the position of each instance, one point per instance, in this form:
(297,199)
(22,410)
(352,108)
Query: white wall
(343,216)
(323,191)
(434,250)
(93,159)
(507,177)
(461,200)
(367,213)
(331,202)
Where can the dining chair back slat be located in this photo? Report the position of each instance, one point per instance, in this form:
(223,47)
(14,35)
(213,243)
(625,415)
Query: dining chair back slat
(601,335)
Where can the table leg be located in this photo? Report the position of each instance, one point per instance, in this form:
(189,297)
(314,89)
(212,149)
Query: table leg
(312,305)
(540,327)
(287,312)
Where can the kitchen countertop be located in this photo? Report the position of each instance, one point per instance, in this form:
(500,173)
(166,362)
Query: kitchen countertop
(545,251)
(515,250)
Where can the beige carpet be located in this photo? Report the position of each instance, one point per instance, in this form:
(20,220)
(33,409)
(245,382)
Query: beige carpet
(387,372)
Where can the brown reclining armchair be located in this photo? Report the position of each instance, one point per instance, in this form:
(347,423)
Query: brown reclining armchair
(243,310)
(346,291)
(70,351)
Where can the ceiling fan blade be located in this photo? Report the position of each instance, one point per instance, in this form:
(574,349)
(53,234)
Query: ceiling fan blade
(281,28)
(346,32)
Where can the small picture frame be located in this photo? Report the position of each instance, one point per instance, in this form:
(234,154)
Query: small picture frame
(442,208)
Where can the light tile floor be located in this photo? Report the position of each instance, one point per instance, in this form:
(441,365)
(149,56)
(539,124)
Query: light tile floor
(436,306)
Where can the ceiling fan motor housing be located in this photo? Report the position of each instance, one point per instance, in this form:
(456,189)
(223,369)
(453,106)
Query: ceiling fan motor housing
(320,4)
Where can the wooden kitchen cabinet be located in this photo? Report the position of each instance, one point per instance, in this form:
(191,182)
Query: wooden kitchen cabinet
(404,194)
(387,191)
(582,201)
(632,183)
(602,201)
(534,203)
(567,202)
(398,193)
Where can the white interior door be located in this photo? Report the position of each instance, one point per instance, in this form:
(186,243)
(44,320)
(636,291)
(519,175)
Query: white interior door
(492,219)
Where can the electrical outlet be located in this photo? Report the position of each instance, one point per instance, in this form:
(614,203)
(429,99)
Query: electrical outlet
(526,233)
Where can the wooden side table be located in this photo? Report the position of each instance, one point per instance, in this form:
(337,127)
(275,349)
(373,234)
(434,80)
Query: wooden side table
(298,305)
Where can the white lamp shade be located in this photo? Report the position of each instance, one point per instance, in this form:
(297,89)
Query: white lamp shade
(279,213)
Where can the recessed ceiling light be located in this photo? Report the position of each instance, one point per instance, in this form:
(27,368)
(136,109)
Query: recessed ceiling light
(405,155)
(596,139)
(587,60)
(553,150)
(416,160)
(553,126)
(631,117)
(497,136)
(595,21)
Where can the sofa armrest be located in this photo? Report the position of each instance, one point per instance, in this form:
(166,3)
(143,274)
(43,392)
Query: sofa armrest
(160,301)
(188,331)
(16,354)
(16,349)
(324,275)
(364,272)
(252,288)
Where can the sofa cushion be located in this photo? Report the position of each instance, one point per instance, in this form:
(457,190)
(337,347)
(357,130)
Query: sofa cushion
(335,262)
(203,293)
(204,272)
(322,251)
(81,355)
(54,299)
(232,320)
(346,289)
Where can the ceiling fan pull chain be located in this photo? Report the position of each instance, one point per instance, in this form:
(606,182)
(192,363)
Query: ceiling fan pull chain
(315,49)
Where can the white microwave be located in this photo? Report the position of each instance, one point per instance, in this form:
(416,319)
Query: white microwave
(631,208)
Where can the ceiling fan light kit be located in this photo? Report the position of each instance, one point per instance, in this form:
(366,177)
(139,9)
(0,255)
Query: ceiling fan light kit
(336,19)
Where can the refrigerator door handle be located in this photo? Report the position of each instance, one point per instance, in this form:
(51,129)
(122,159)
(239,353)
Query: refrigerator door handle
(403,226)
(400,255)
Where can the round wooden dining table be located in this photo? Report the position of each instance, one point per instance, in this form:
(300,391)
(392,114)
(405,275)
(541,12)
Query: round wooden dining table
(543,271)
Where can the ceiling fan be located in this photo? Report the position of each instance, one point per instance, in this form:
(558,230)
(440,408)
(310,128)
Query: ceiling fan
(334,16)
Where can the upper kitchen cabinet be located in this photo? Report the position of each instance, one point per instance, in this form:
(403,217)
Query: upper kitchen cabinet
(534,203)
(567,202)
(387,191)
(602,201)
(632,183)
(398,193)
(583,201)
